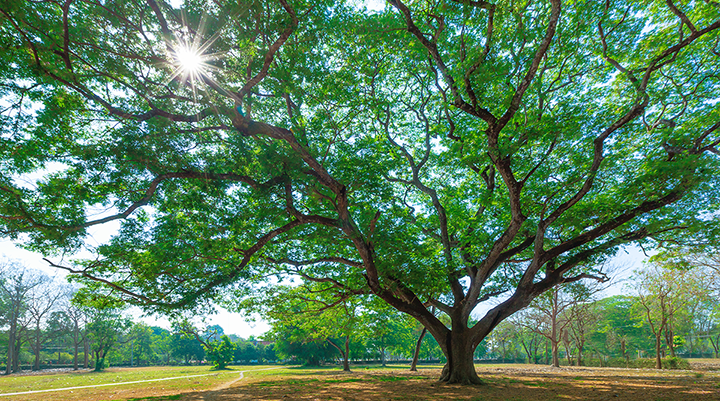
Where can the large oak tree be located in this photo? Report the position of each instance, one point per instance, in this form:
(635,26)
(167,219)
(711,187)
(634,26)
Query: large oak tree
(436,154)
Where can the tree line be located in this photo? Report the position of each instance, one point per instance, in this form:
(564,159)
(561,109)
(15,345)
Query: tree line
(673,312)
(42,327)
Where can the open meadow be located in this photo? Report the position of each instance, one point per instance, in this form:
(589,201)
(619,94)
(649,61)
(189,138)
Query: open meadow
(394,382)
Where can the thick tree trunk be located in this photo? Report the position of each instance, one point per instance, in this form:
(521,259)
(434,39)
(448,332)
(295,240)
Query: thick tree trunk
(658,360)
(460,367)
(416,354)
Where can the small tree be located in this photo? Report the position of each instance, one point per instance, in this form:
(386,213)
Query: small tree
(42,300)
(662,292)
(220,352)
(104,329)
(549,315)
(16,285)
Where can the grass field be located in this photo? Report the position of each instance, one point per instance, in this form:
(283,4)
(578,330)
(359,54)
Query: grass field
(184,379)
(394,382)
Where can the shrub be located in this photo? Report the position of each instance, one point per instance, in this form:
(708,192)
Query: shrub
(220,352)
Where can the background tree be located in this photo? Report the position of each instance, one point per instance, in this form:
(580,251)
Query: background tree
(582,321)
(42,300)
(437,154)
(530,341)
(187,348)
(220,352)
(384,329)
(16,284)
(105,328)
(77,318)
(550,315)
(663,292)
(161,340)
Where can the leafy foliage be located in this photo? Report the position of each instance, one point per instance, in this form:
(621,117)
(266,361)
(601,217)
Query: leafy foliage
(220,352)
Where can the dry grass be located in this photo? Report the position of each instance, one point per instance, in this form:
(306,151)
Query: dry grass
(502,383)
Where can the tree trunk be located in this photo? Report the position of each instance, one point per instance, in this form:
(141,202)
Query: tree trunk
(75,355)
(416,354)
(580,354)
(658,360)
(669,334)
(555,351)
(344,353)
(76,343)
(86,353)
(382,356)
(346,357)
(16,353)
(36,365)
(554,343)
(99,361)
(11,350)
(460,367)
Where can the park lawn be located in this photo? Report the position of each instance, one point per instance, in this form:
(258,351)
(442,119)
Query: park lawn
(502,383)
(394,382)
(205,379)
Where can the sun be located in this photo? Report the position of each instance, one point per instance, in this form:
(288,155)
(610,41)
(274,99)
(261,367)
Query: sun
(190,61)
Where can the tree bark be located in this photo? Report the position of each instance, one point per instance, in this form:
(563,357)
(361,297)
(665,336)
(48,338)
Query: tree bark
(36,348)
(460,367)
(16,353)
(86,355)
(344,353)
(416,354)
(580,354)
(555,350)
(76,343)
(658,360)
(11,350)
(346,360)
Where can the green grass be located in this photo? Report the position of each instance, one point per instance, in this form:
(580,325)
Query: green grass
(16,384)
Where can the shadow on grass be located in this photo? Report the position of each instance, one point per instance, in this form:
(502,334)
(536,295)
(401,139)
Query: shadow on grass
(500,385)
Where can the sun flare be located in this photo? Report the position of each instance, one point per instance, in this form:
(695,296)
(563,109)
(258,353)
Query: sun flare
(189,60)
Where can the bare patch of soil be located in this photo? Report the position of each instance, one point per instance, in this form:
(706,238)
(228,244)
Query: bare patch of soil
(502,383)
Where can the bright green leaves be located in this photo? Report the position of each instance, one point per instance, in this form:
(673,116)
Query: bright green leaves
(105,125)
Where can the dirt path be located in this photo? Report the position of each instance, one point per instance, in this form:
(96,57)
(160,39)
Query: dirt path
(219,391)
